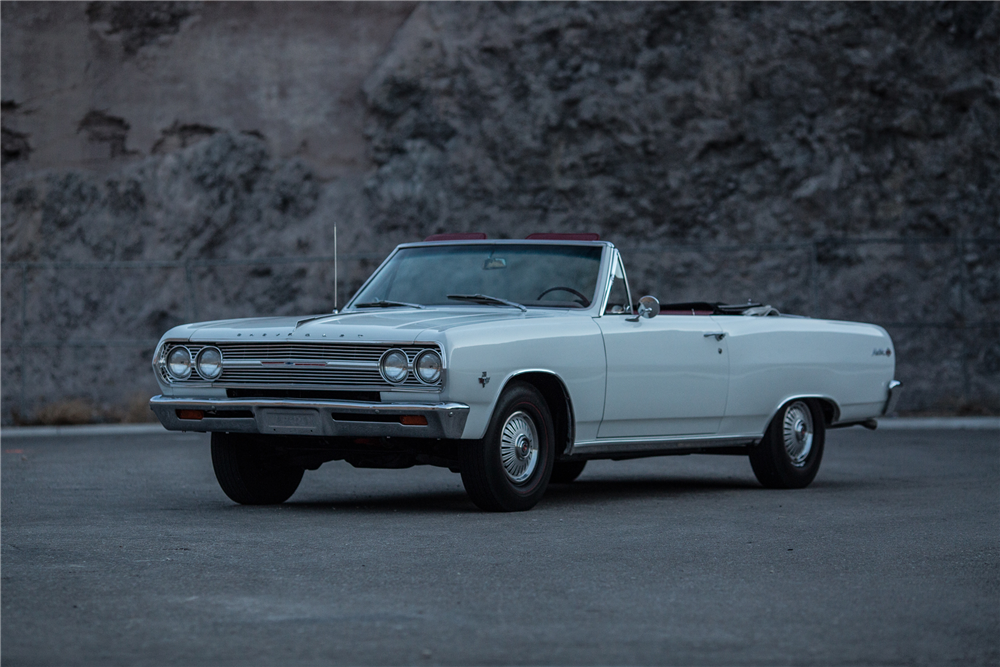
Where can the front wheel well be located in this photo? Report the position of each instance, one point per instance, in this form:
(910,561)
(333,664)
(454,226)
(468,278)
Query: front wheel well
(560,406)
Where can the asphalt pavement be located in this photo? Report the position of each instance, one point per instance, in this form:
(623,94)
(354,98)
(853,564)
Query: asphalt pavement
(121,549)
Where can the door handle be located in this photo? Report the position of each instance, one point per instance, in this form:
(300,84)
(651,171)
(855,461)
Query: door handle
(717,336)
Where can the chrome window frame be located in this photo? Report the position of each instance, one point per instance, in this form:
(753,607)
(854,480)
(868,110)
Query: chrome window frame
(602,282)
(609,281)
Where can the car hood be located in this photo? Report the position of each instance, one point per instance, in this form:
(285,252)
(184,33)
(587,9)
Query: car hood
(397,325)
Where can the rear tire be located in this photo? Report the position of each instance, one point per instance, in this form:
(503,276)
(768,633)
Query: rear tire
(252,473)
(789,455)
(564,472)
(509,469)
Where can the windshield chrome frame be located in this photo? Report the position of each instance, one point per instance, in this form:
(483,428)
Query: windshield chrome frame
(604,273)
(616,256)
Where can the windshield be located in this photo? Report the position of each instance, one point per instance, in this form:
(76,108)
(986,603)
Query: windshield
(547,276)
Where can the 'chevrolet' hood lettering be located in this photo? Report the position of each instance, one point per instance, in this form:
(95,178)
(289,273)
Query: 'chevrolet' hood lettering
(402,325)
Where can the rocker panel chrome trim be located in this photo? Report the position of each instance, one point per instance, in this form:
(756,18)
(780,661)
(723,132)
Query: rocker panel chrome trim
(664,444)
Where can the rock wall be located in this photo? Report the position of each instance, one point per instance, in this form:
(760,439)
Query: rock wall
(93,85)
(693,122)
(173,161)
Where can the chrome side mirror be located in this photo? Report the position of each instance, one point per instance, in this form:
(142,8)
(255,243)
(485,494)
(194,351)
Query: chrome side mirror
(649,307)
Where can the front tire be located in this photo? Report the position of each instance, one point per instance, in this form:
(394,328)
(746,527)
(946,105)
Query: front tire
(509,469)
(252,473)
(789,455)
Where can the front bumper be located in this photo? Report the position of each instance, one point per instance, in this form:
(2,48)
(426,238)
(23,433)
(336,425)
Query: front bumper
(281,416)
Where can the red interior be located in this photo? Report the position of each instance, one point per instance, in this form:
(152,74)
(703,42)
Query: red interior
(549,236)
(460,236)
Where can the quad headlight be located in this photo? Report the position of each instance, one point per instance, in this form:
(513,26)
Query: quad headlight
(209,363)
(393,366)
(179,363)
(427,366)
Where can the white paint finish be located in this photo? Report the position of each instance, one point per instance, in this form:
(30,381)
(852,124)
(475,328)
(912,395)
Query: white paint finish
(398,325)
(568,347)
(665,377)
(658,378)
(773,359)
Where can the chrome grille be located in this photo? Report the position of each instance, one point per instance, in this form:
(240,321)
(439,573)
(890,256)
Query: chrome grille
(287,364)
(324,351)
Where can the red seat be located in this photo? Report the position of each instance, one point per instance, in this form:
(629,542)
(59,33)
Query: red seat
(458,236)
(550,236)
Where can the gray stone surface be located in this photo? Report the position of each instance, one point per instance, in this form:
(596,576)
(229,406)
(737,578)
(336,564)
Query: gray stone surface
(90,85)
(123,550)
(833,160)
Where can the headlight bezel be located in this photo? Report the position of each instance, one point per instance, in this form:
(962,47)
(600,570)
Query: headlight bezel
(198,363)
(167,363)
(382,364)
(427,354)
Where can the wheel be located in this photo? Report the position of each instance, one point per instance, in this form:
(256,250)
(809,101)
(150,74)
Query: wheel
(584,301)
(564,472)
(509,469)
(789,455)
(250,472)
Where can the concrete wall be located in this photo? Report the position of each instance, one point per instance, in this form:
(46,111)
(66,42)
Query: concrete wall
(172,161)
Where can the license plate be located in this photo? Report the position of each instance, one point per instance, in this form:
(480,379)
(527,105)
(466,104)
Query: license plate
(289,421)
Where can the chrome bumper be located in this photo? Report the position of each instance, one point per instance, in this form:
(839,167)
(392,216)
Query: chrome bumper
(280,416)
(895,389)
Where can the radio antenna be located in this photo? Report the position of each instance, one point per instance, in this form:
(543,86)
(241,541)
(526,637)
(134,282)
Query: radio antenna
(335,268)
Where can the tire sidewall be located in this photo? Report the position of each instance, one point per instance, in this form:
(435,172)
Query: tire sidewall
(249,472)
(518,397)
(791,475)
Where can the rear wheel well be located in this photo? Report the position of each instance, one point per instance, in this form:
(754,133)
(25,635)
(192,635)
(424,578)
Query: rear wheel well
(830,410)
(827,406)
(560,407)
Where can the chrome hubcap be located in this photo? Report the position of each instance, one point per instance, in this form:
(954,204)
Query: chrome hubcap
(519,447)
(798,433)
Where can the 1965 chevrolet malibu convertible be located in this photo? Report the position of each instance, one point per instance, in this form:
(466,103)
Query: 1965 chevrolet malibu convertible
(514,363)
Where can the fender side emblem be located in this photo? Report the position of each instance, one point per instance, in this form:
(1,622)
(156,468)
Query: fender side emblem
(485,380)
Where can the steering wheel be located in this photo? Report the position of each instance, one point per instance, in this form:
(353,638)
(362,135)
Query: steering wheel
(584,301)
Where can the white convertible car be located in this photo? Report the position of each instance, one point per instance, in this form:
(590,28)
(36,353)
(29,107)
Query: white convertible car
(514,363)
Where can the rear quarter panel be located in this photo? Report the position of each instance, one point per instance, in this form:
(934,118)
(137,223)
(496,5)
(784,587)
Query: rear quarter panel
(775,359)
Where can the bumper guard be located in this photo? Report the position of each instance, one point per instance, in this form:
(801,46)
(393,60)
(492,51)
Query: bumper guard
(895,389)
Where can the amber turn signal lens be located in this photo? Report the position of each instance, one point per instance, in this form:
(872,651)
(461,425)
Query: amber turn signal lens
(413,420)
(190,414)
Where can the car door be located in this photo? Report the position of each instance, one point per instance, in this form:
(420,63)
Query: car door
(666,376)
